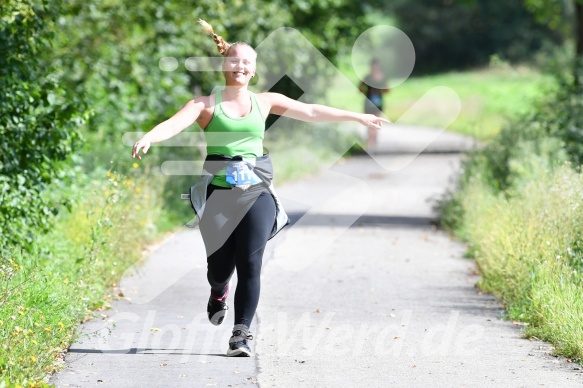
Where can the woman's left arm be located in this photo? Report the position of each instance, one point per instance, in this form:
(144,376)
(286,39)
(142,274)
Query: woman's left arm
(285,106)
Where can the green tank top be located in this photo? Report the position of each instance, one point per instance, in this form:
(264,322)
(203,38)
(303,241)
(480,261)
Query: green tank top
(233,136)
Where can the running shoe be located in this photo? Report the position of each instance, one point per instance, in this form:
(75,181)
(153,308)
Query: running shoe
(217,311)
(239,347)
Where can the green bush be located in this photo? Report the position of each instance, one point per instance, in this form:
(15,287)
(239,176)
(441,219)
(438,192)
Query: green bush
(71,271)
(519,206)
(551,135)
(529,250)
(38,120)
(561,117)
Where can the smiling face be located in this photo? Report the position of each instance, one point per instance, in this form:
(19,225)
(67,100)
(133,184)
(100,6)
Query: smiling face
(239,65)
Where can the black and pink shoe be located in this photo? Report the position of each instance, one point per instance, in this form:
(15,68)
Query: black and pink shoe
(217,308)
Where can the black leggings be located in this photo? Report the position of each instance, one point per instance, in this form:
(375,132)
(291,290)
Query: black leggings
(235,227)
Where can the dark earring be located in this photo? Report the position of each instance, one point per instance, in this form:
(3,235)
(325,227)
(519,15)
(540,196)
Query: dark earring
(254,79)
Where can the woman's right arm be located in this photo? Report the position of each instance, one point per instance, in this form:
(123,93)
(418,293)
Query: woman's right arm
(185,117)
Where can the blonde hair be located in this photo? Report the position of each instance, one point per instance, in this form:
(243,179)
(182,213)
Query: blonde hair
(222,45)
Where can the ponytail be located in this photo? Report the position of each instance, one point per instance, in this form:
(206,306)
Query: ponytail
(222,45)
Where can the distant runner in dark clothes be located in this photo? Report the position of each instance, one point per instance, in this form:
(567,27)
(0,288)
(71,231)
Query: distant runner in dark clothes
(373,104)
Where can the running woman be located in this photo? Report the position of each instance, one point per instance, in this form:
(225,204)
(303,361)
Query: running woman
(240,210)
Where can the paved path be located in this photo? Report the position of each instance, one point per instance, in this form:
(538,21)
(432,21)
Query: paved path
(361,291)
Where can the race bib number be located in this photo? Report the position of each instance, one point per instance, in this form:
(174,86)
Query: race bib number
(239,174)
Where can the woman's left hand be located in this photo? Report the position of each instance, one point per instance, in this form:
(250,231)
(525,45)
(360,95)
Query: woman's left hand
(372,121)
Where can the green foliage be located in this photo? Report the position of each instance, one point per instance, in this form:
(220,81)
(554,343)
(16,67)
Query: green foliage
(553,12)
(529,249)
(46,291)
(329,31)
(459,34)
(546,11)
(567,16)
(551,135)
(38,119)
(518,206)
(561,118)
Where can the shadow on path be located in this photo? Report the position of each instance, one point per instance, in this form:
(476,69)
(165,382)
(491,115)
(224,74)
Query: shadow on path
(367,220)
(179,352)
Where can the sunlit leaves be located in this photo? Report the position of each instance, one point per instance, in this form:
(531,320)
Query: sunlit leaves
(38,119)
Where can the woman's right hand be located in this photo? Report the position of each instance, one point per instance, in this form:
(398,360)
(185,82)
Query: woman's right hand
(372,121)
(142,144)
(171,127)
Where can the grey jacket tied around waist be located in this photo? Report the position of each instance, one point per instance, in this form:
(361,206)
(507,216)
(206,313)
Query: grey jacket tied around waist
(261,166)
